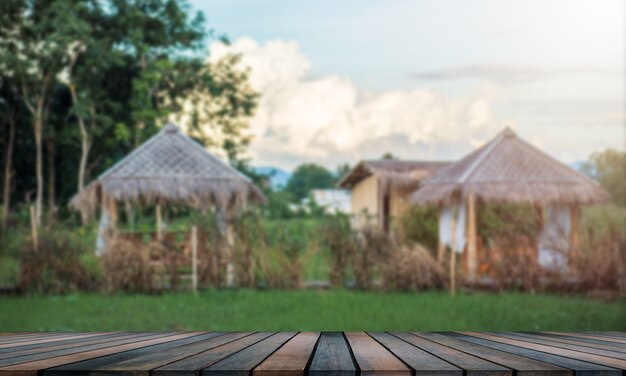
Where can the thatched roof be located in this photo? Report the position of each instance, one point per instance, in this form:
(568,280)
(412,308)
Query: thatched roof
(391,172)
(508,169)
(170,168)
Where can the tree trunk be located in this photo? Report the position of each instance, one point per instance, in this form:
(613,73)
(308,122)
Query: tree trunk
(6,195)
(51,181)
(38,127)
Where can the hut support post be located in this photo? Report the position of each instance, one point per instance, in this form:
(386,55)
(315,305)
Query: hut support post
(453,254)
(472,262)
(441,247)
(33,225)
(194,258)
(158,224)
(573,234)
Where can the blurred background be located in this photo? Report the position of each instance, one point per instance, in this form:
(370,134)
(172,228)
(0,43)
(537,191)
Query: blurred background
(362,165)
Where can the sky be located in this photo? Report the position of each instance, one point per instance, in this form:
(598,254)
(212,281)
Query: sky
(347,80)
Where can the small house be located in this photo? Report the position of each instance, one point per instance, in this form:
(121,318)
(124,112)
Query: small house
(380,188)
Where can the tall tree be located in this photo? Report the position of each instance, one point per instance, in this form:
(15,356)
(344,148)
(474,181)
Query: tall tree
(218,109)
(309,176)
(35,43)
(609,169)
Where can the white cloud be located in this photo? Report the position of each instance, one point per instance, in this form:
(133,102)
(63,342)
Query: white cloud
(329,120)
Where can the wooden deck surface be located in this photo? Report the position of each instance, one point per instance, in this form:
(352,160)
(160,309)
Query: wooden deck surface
(314,353)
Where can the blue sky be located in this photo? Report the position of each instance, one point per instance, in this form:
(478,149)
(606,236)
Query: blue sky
(345,80)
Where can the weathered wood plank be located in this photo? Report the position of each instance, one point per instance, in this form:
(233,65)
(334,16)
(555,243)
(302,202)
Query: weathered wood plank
(582,349)
(579,367)
(372,358)
(591,336)
(92,365)
(523,366)
(86,346)
(244,361)
(58,345)
(141,365)
(472,365)
(192,365)
(31,368)
(291,359)
(424,363)
(592,358)
(47,339)
(593,343)
(332,357)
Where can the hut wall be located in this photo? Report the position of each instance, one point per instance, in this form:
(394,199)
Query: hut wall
(399,202)
(365,202)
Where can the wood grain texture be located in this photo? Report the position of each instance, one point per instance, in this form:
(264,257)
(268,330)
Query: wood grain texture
(291,359)
(579,367)
(31,368)
(592,358)
(332,357)
(313,354)
(424,363)
(193,364)
(372,358)
(522,366)
(581,349)
(244,361)
(472,365)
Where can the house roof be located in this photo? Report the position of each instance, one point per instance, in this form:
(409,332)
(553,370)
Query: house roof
(508,169)
(392,171)
(171,168)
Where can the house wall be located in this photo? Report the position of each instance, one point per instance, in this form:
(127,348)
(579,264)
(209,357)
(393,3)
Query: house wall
(365,206)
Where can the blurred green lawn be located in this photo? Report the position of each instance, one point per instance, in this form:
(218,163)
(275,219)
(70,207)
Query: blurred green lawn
(310,310)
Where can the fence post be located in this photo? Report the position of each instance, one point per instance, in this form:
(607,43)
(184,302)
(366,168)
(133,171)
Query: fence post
(194,258)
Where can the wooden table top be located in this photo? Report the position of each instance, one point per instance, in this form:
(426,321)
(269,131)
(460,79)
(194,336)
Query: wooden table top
(314,353)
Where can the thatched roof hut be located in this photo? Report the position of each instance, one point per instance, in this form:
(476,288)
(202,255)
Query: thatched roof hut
(379,188)
(392,173)
(505,170)
(508,169)
(170,168)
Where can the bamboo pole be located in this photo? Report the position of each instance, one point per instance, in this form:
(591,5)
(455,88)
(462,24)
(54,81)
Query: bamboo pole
(573,234)
(453,254)
(159,224)
(34,229)
(441,247)
(194,258)
(472,262)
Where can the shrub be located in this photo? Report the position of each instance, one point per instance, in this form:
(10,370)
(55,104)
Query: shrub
(56,267)
(337,237)
(127,267)
(412,268)
(419,225)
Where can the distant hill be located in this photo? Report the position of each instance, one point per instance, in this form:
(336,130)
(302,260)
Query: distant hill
(278,177)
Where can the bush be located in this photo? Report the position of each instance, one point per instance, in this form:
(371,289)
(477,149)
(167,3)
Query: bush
(419,225)
(412,268)
(9,271)
(127,267)
(56,267)
(337,237)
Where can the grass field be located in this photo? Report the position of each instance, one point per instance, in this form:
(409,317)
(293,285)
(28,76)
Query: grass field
(310,310)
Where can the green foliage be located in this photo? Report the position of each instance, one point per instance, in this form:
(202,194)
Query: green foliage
(9,271)
(419,225)
(250,310)
(307,177)
(58,265)
(507,222)
(609,169)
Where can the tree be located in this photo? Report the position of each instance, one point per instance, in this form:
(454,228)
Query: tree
(35,44)
(307,177)
(609,169)
(217,111)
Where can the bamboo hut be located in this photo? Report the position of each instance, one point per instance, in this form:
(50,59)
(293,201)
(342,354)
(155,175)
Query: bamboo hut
(505,170)
(380,188)
(168,169)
